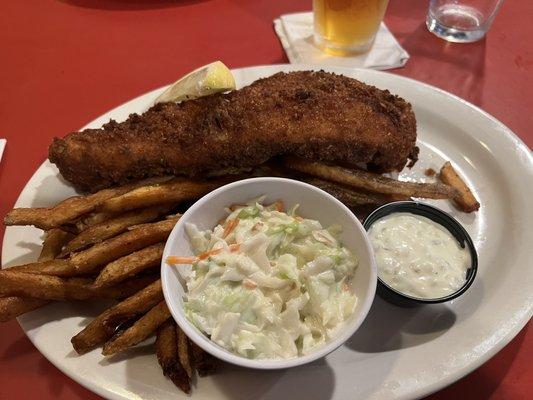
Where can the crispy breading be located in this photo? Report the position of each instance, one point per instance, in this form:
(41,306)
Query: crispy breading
(315,115)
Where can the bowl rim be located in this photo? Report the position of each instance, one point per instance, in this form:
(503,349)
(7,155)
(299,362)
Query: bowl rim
(443,219)
(268,364)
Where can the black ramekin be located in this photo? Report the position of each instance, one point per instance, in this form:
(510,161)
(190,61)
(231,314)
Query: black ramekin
(440,217)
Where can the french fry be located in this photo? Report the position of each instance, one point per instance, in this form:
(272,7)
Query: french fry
(56,267)
(464,199)
(72,208)
(89,260)
(166,345)
(122,326)
(125,289)
(184,352)
(14,283)
(12,307)
(170,216)
(91,219)
(102,327)
(174,191)
(54,241)
(45,287)
(352,198)
(112,227)
(368,181)
(203,362)
(140,330)
(130,265)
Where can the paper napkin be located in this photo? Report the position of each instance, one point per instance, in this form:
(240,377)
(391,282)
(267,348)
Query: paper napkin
(2,146)
(296,34)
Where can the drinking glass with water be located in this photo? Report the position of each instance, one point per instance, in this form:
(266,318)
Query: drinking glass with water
(461,20)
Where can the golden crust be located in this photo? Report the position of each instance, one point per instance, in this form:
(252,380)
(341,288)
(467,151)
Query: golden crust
(316,115)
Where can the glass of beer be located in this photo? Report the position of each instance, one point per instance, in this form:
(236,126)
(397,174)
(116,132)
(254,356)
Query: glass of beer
(344,27)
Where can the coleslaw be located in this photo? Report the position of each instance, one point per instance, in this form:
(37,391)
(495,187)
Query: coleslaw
(268,284)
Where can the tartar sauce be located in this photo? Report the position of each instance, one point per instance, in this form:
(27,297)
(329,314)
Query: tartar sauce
(417,256)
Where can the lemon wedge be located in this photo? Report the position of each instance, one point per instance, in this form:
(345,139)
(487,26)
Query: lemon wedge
(209,79)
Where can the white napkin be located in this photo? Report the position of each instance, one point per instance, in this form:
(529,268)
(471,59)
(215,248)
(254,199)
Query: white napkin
(296,34)
(2,146)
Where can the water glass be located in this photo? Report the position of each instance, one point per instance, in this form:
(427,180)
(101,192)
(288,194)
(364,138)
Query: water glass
(461,21)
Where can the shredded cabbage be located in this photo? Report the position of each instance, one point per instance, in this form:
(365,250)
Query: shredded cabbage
(273,286)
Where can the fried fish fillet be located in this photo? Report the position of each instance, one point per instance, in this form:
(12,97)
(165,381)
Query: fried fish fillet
(315,115)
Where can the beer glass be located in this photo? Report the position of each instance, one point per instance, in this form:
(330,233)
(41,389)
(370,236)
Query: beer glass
(343,27)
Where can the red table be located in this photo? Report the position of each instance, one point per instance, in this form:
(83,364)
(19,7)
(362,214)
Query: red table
(65,62)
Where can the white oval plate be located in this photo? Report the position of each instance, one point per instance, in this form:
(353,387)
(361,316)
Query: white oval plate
(397,353)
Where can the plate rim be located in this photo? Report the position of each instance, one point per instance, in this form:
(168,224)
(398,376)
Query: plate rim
(503,130)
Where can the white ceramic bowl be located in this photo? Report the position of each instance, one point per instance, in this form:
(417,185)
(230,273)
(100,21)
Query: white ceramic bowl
(314,203)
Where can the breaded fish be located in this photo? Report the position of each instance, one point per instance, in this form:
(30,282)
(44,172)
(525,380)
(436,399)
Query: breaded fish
(315,115)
